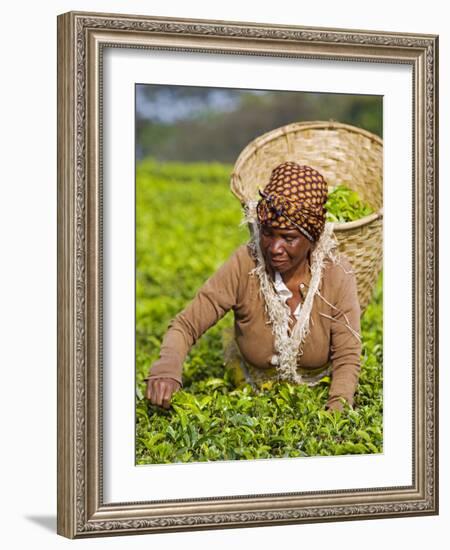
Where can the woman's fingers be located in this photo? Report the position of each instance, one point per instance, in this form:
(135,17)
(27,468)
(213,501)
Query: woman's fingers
(160,390)
(148,391)
(156,392)
(168,388)
(151,391)
(167,391)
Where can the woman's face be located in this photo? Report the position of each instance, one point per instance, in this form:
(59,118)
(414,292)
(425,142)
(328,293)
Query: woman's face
(284,249)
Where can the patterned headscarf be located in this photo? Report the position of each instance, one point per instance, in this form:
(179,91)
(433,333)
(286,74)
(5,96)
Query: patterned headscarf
(294,197)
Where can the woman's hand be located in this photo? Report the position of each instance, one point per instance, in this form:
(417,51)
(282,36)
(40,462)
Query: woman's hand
(160,391)
(337,404)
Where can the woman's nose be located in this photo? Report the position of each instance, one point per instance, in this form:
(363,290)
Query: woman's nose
(275,246)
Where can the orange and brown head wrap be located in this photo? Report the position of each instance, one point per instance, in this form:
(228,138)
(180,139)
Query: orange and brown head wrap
(294,197)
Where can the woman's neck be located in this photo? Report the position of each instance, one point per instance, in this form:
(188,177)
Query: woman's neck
(297,276)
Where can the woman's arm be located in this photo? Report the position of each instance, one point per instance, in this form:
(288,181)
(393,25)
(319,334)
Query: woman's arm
(217,296)
(345,340)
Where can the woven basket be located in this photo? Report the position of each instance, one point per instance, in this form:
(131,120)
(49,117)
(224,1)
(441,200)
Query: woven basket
(343,154)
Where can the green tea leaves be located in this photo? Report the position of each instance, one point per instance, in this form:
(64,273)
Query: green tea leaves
(345,205)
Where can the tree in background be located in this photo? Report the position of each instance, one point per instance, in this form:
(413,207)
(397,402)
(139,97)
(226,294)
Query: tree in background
(214,124)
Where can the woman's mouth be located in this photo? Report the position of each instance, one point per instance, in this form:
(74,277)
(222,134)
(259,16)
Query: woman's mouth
(277,261)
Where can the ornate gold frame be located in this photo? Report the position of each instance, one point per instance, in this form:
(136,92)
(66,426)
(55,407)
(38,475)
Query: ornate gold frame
(81,38)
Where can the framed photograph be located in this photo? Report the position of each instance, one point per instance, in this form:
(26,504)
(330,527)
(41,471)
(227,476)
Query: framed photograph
(176,139)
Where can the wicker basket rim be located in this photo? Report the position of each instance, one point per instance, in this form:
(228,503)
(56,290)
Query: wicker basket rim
(346,226)
(261,140)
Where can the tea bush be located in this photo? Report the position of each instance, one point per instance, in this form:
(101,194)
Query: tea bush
(187,224)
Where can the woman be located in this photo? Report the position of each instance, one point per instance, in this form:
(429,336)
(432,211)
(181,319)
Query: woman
(296,310)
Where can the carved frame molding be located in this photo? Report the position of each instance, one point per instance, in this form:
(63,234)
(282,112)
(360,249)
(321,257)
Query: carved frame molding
(81,39)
